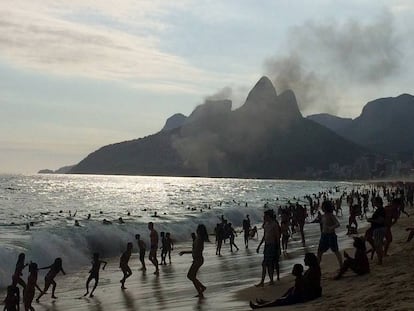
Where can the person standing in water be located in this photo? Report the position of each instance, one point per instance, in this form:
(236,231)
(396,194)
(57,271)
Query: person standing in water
(94,273)
(30,290)
(142,248)
(123,264)
(153,247)
(198,259)
(246,230)
(55,268)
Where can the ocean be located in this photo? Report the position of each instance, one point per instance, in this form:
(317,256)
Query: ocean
(49,204)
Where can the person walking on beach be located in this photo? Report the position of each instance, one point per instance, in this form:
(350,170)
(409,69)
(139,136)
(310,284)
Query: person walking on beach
(55,268)
(169,246)
(142,248)
(123,264)
(198,259)
(163,248)
(18,272)
(328,238)
(232,235)
(271,238)
(219,231)
(285,231)
(391,216)
(153,247)
(94,273)
(30,290)
(246,230)
(377,229)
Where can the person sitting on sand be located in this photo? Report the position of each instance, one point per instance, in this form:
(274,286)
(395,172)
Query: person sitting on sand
(294,294)
(12,300)
(312,278)
(198,259)
(55,268)
(123,264)
(94,273)
(359,264)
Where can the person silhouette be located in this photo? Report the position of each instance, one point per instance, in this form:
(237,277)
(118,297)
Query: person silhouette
(198,259)
(123,264)
(94,273)
(55,268)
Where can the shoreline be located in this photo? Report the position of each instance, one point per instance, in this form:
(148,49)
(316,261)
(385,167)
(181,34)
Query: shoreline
(387,287)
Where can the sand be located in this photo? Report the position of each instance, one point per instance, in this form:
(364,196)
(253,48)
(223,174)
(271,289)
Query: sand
(387,287)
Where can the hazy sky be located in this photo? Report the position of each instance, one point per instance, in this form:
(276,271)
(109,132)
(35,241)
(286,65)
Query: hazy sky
(79,74)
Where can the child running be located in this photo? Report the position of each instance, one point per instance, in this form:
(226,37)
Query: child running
(94,273)
(198,259)
(123,264)
(18,273)
(55,268)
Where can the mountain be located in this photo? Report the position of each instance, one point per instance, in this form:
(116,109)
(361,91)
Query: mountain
(385,125)
(267,137)
(176,120)
(332,122)
(62,170)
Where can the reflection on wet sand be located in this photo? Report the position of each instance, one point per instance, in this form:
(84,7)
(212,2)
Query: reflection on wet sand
(129,301)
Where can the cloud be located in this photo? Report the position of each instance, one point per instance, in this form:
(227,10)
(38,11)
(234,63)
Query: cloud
(325,62)
(52,36)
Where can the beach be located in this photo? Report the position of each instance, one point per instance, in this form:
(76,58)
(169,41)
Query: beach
(181,204)
(387,287)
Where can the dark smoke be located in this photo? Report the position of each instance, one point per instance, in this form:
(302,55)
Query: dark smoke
(324,61)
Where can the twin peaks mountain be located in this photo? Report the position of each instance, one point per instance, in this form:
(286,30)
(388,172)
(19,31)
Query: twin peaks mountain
(267,137)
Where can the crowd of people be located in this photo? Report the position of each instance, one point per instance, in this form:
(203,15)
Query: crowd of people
(323,209)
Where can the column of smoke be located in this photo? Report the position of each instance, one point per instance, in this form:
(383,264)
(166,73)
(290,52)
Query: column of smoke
(328,64)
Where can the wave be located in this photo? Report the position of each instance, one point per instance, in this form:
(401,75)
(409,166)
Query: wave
(75,245)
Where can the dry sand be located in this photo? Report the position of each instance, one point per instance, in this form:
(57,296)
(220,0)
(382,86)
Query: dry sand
(387,287)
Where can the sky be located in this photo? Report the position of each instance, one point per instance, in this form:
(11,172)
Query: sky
(76,75)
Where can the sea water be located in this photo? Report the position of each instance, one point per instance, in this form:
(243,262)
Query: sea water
(49,204)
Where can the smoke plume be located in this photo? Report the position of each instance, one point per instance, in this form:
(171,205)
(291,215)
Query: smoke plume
(323,61)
